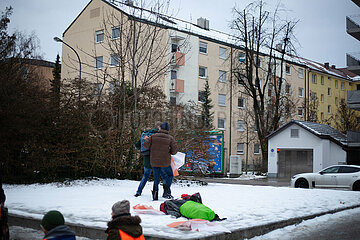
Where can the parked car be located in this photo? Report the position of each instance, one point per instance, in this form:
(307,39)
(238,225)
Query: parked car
(337,176)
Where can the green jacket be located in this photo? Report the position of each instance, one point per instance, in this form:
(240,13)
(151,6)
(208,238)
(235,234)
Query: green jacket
(128,224)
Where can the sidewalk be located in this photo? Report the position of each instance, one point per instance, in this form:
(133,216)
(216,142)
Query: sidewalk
(275,182)
(245,233)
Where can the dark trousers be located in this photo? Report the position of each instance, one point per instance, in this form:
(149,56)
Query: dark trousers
(167,176)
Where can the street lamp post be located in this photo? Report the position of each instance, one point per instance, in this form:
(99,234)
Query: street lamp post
(56,39)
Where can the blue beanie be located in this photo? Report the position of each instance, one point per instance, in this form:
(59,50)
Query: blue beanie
(165,126)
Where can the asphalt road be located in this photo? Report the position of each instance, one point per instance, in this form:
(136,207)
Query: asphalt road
(343,225)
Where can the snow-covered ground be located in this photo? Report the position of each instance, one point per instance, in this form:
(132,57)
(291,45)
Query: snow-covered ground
(89,203)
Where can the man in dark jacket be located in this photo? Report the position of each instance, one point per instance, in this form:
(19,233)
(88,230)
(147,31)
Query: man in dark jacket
(123,225)
(147,165)
(162,146)
(53,225)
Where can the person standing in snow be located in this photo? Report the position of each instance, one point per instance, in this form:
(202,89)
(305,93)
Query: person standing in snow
(53,225)
(123,225)
(146,157)
(162,145)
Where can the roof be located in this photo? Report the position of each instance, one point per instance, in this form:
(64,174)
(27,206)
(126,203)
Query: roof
(320,130)
(170,22)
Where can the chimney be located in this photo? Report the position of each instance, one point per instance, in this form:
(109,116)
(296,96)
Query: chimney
(129,3)
(203,23)
(333,66)
(326,65)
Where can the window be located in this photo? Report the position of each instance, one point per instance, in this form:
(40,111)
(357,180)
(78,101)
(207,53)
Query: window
(202,72)
(301,73)
(342,101)
(99,36)
(172,100)
(329,91)
(241,57)
(241,102)
(346,169)
(342,86)
(322,98)
(322,80)
(329,109)
(336,101)
(115,32)
(294,133)
(241,79)
(201,96)
(173,74)
(322,116)
(97,89)
(313,78)
(300,111)
(301,92)
(313,96)
(222,100)
(331,170)
(98,62)
(288,89)
(287,69)
(240,125)
(114,60)
(222,53)
(329,78)
(112,86)
(203,47)
(255,128)
(256,148)
(258,62)
(240,148)
(222,76)
(174,47)
(336,83)
(221,123)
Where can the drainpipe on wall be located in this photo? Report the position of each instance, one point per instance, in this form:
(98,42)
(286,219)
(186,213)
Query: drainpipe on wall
(231,85)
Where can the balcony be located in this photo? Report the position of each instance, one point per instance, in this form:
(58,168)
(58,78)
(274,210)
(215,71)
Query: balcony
(357,2)
(177,59)
(353,99)
(176,85)
(353,26)
(353,62)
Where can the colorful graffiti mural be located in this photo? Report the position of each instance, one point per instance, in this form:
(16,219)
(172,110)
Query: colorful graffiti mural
(215,150)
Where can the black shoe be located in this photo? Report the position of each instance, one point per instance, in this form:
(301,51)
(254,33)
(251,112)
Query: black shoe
(136,195)
(165,191)
(155,195)
(168,196)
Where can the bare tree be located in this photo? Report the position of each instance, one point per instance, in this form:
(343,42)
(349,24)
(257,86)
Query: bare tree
(346,119)
(265,40)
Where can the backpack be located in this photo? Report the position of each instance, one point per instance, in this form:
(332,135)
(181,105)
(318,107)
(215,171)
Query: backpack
(143,150)
(195,210)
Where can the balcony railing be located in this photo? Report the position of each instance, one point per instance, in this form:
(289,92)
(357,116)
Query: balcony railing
(353,62)
(353,26)
(353,99)
(178,59)
(177,85)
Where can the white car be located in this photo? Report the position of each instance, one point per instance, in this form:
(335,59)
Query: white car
(337,176)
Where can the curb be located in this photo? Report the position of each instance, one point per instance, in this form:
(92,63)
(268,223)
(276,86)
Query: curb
(243,233)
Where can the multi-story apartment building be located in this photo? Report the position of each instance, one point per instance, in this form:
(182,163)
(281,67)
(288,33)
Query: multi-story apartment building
(193,54)
(353,59)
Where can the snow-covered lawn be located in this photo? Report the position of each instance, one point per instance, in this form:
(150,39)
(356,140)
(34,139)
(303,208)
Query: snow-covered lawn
(89,203)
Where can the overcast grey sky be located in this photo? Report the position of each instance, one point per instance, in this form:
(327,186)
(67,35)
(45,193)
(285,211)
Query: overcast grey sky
(321,30)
